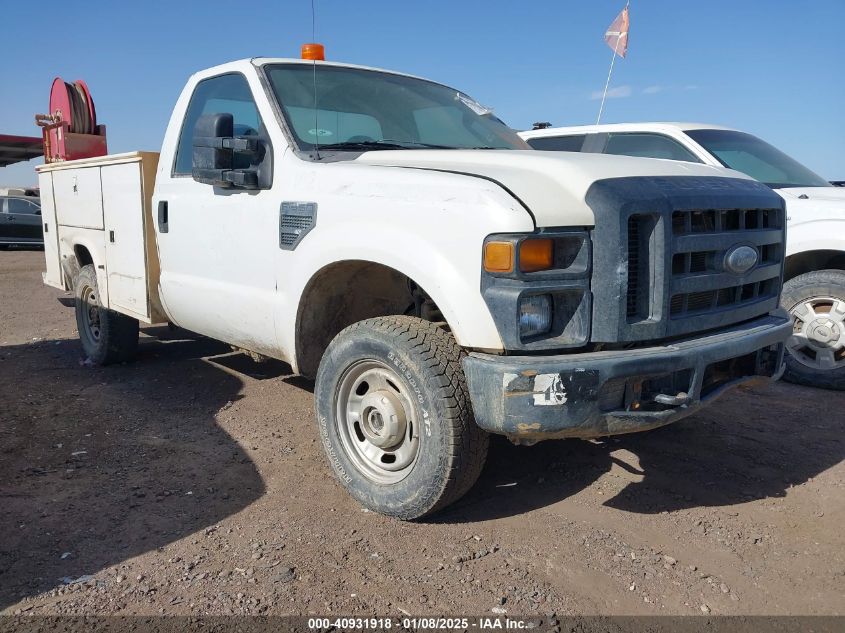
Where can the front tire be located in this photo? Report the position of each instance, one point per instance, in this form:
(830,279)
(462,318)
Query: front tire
(107,337)
(816,350)
(394,416)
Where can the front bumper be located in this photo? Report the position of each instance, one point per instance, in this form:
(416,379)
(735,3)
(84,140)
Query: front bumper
(611,392)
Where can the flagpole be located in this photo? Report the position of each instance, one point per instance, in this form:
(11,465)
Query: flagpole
(609,73)
(607,83)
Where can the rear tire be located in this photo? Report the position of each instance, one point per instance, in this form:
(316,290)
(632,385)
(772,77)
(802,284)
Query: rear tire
(816,351)
(107,337)
(394,416)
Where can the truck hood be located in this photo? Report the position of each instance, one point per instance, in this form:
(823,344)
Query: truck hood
(552,185)
(832,194)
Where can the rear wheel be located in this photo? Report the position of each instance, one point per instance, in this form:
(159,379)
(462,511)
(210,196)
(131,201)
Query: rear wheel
(816,349)
(394,416)
(106,336)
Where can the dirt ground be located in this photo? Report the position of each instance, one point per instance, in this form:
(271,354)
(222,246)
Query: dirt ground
(192,482)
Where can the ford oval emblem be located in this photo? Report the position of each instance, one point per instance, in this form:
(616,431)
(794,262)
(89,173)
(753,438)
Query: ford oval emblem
(740,259)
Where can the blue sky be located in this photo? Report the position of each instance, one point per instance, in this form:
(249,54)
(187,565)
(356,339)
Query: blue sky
(770,67)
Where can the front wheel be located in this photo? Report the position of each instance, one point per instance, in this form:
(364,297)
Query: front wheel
(106,336)
(816,349)
(394,416)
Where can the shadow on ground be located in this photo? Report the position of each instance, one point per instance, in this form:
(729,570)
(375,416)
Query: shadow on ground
(748,445)
(98,465)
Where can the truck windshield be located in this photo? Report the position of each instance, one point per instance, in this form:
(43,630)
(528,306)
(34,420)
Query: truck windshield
(750,155)
(361,110)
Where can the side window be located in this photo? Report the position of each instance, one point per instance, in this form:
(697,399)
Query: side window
(648,145)
(558,143)
(226,93)
(16,205)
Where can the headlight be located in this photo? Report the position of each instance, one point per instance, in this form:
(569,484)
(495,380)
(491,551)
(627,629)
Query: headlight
(535,315)
(537,286)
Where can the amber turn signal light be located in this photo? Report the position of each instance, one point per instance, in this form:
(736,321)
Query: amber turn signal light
(536,255)
(313,51)
(498,257)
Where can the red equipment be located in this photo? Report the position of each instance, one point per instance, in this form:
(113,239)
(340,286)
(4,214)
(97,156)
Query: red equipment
(70,131)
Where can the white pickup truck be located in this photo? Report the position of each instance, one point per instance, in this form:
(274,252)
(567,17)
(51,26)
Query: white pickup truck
(814,276)
(438,278)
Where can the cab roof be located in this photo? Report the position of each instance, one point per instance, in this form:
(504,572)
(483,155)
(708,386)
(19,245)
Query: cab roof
(655,126)
(264,61)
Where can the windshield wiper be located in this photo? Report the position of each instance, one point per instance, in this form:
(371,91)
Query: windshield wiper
(383,144)
(419,144)
(365,145)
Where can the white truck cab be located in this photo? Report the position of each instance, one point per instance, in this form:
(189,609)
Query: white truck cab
(391,238)
(814,276)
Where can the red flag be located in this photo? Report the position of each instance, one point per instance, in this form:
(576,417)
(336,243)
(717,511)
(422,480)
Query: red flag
(617,33)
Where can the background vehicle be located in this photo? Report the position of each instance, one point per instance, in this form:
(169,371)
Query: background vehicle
(20,221)
(439,283)
(814,276)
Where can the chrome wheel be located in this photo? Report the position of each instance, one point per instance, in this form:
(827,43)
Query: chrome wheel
(376,422)
(818,339)
(91,313)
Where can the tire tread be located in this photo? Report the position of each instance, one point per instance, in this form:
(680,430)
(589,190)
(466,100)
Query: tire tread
(439,356)
(795,290)
(118,331)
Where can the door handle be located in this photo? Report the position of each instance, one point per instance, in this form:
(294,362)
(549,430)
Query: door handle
(162,216)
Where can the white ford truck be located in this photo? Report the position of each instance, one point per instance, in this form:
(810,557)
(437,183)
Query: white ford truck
(437,278)
(814,275)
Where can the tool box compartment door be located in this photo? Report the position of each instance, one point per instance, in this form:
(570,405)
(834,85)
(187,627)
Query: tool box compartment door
(53,274)
(126,265)
(81,203)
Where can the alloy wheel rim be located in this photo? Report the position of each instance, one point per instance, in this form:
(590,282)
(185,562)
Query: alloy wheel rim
(818,333)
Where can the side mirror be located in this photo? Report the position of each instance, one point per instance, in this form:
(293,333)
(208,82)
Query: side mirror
(214,147)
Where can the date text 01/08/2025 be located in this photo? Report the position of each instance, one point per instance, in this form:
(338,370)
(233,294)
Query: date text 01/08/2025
(416,624)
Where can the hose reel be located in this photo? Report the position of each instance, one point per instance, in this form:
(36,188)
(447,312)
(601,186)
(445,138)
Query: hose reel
(70,130)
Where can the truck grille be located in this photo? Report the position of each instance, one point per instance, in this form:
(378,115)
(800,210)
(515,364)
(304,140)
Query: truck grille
(697,254)
(634,250)
(699,242)
(727,220)
(700,282)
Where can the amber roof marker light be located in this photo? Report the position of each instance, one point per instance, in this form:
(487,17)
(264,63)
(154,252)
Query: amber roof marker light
(313,51)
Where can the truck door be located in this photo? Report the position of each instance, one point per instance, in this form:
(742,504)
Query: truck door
(218,246)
